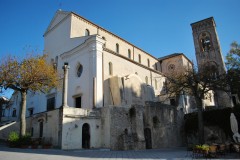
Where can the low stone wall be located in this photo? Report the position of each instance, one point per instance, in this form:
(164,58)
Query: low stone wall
(165,123)
(50,127)
(138,127)
(126,128)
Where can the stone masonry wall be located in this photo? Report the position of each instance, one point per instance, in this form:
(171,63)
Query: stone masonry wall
(128,125)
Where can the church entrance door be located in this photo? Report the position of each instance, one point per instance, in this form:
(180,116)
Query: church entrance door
(148,138)
(86,136)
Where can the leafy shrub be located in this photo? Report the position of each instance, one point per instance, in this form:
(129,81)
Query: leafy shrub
(26,139)
(13,139)
(216,117)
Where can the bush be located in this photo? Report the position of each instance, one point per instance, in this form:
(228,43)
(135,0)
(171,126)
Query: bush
(13,139)
(216,117)
(26,139)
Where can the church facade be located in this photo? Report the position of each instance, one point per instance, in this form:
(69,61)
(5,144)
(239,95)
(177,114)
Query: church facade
(114,94)
(109,82)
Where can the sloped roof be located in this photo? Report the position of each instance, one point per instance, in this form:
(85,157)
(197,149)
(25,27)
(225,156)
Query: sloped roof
(4,98)
(173,55)
(66,13)
(58,17)
(170,56)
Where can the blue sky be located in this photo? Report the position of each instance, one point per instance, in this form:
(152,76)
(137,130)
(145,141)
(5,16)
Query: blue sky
(159,27)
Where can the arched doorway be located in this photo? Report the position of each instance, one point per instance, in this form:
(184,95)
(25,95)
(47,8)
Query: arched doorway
(148,138)
(86,136)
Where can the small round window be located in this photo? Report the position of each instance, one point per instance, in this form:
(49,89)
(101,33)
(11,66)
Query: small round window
(79,70)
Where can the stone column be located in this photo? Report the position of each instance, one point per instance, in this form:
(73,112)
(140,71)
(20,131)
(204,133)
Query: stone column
(65,84)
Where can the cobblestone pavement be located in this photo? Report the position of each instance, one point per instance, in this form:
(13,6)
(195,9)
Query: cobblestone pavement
(98,154)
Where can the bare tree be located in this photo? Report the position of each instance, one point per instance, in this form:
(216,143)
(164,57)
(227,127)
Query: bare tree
(31,74)
(197,84)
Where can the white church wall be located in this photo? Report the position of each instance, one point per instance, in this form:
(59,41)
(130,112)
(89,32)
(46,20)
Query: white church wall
(79,25)
(124,68)
(89,55)
(73,121)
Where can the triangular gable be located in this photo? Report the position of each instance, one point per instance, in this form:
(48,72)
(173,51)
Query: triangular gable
(58,17)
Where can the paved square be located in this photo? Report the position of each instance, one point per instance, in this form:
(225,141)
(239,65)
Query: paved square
(98,154)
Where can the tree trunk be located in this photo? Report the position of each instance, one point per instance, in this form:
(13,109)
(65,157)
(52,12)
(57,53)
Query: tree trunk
(23,113)
(200,120)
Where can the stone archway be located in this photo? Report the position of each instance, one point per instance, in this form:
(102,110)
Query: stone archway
(86,136)
(148,138)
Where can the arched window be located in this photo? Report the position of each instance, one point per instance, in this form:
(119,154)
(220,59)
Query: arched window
(104,45)
(156,66)
(146,80)
(139,58)
(156,84)
(129,54)
(117,48)
(14,113)
(87,33)
(205,41)
(110,68)
(148,62)
(79,70)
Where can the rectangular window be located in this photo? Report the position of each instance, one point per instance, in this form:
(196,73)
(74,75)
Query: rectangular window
(172,102)
(50,103)
(185,100)
(32,130)
(30,110)
(78,102)
(3,112)
(14,113)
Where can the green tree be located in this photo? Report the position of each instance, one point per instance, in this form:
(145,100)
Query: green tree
(233,56)
(233,66)
(30,74)
(197,84)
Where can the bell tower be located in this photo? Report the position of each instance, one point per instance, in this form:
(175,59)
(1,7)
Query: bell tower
(208,53)
(207,46)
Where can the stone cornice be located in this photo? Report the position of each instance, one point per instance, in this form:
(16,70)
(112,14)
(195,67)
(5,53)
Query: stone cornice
(205,23)
(93,38)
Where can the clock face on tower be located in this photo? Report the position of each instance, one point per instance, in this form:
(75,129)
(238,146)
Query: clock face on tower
(205,41)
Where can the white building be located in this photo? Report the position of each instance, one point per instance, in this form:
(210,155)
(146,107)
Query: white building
(109,82)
